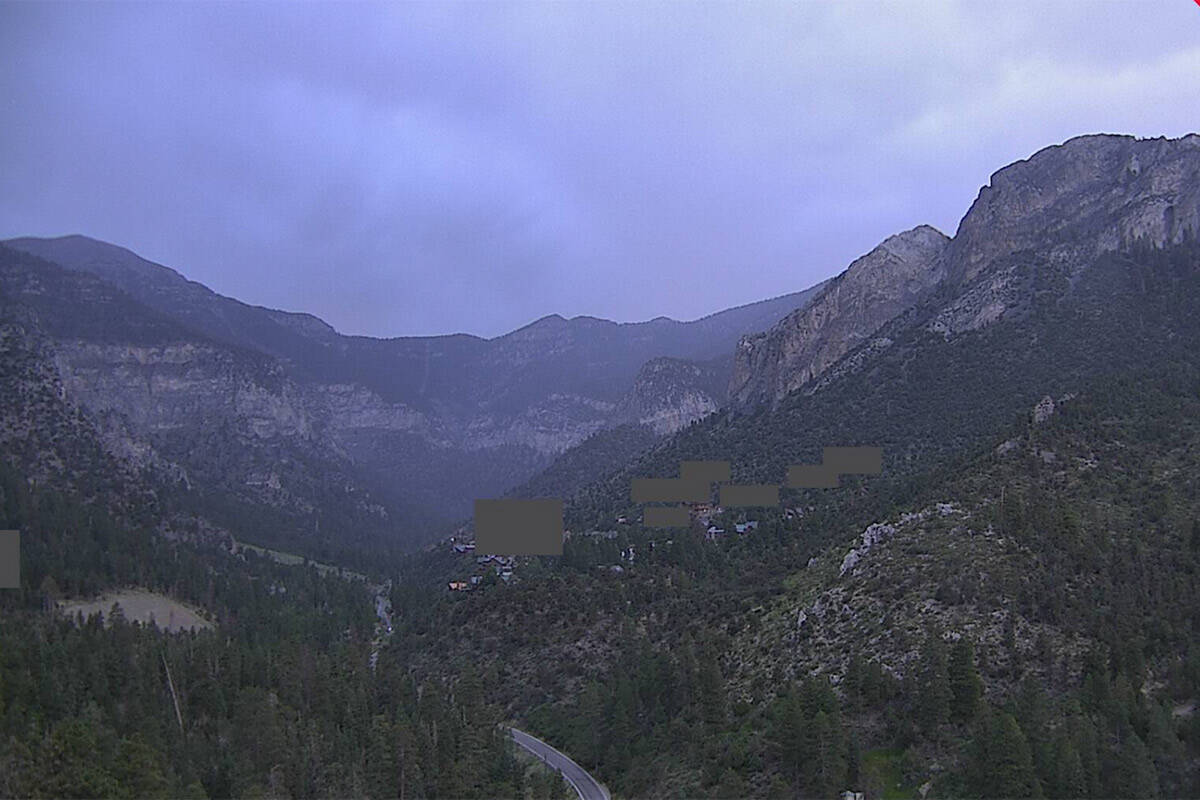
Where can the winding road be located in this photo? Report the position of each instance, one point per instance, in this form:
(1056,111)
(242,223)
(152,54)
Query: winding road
(587,787)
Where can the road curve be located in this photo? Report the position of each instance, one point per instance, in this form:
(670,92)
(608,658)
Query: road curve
(584,784)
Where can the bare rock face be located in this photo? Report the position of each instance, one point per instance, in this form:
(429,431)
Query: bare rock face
(873,290)
(670,393)
(1040,221)
(1064,206)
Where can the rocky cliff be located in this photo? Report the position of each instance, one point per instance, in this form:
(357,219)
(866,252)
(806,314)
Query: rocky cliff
(1037,223)
(1057,211)
(845,313)
(269,410)
(670,393)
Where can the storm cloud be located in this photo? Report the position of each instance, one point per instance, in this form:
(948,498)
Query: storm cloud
(413,169)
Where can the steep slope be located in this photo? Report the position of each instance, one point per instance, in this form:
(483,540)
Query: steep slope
(924,390)
(427,423)
(1036,518)
(849,308)
(247,447)
(670,393)
(1065,205)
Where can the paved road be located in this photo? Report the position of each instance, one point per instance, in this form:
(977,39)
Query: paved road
(584,784)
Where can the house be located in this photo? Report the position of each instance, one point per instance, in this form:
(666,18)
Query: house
(464,547)
(622,520)
(506,575)
(713,532)
(743,527)
(476,579)
(458,586)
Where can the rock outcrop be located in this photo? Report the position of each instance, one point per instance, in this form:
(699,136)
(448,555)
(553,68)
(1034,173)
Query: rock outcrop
(848,310)
(670,393)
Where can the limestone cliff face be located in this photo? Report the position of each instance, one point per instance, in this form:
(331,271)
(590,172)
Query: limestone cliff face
(849,309)
(670,393)
(1061,208)
(1053,213)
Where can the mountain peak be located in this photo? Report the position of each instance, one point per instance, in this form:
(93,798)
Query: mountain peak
(1092,193)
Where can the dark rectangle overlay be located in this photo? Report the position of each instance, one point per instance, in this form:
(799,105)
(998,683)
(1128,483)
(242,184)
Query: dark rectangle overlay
(812,476)
(665,517)
(519,527)
(706,472)
(10,559)
(668,490)
(763,494)
(853,460)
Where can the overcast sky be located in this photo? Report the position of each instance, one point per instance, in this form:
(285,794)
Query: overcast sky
(420,169)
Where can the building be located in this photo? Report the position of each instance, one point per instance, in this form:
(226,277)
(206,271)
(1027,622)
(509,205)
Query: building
(459,586)
(704,512)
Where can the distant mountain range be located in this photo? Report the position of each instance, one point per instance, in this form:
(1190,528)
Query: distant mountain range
(275,417)
(273,423)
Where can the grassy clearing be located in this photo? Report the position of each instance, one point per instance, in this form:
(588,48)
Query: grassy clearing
(883,774)
(142,606)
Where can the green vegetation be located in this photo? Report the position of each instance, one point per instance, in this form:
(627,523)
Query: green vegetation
(1030,631)
(278,700)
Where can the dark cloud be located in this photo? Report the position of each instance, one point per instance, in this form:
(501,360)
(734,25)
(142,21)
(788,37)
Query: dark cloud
(410,168)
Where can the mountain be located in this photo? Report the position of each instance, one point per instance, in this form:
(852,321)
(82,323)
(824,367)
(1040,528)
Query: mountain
(849,308)
(670,393)
(1038,311)
(1005,611)
(274,417)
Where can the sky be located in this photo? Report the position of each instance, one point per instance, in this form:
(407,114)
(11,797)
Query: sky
(419,169)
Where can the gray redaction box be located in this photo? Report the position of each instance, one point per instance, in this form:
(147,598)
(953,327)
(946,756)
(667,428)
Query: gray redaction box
(10,559)
(519,527)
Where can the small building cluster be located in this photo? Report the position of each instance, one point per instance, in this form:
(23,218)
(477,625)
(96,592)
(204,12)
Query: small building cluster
(502,566)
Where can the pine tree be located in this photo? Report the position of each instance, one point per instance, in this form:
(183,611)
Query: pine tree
(787,733)
(712,689)
(933,704)
(1133,773)
(1070,781)
(591,727)
(828,746)
(966,687)
(1001,765)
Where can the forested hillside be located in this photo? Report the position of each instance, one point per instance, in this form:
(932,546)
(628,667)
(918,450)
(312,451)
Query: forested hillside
(278,700)
(1020,624)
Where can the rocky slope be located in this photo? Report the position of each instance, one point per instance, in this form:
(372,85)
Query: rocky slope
(1064,206)
(1054,212)
(848,310)
(261,409)
(670,393)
